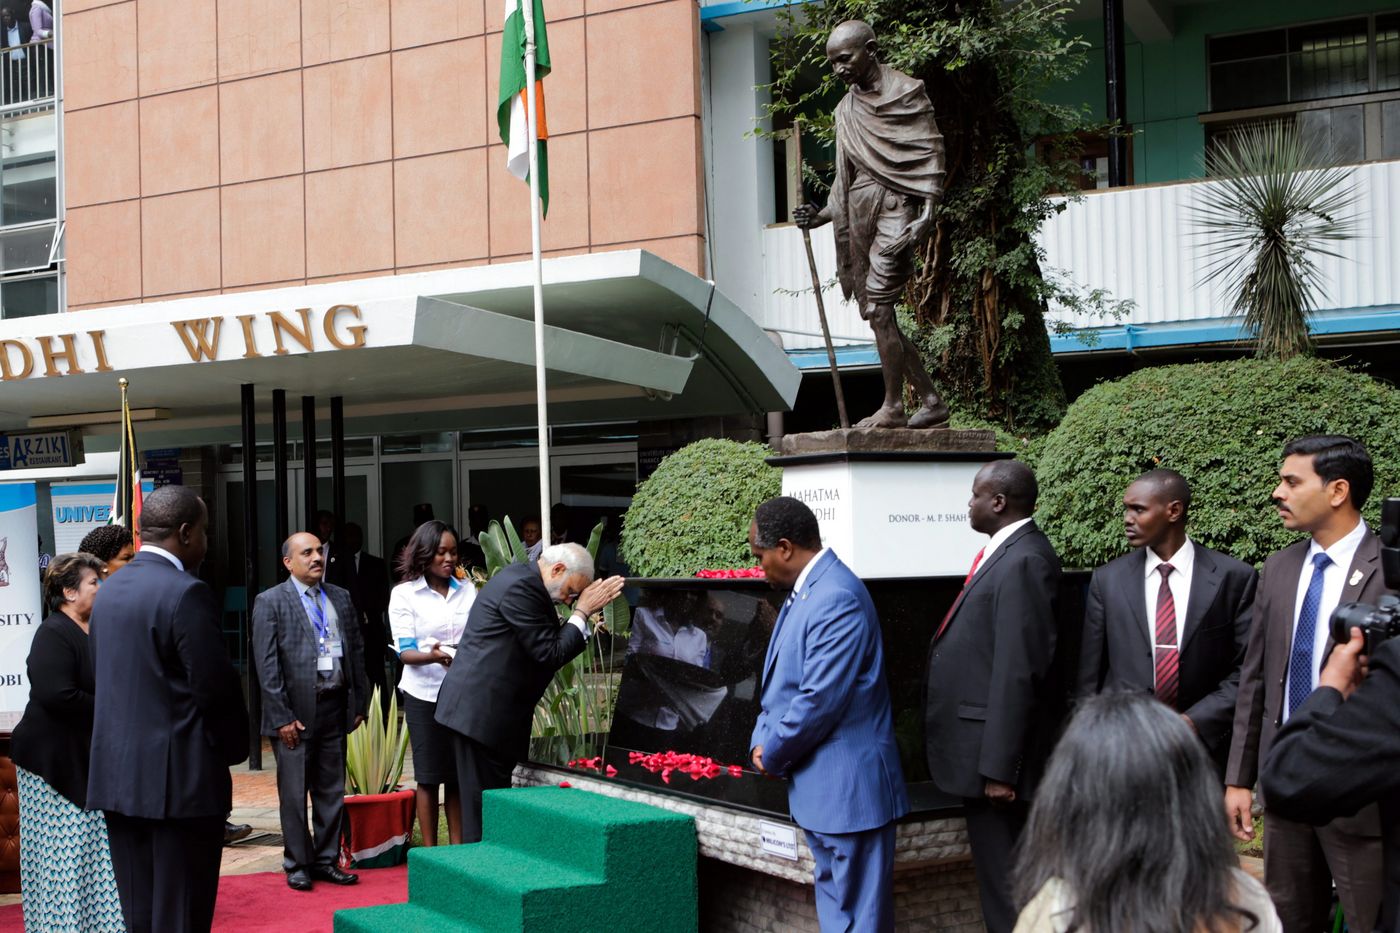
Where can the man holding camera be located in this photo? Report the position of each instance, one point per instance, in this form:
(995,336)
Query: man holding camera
(1341,751)
(1323,483)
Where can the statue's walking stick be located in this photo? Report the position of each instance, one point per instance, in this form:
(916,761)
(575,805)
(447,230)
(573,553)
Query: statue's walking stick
(826,331)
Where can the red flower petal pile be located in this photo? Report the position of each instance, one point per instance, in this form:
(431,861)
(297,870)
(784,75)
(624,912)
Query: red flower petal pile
(744,573)
(668,762)
(697,766)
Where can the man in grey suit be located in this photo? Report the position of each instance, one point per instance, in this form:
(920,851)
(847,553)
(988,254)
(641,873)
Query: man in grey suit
(1323,483)
(311,664)
(1170,618)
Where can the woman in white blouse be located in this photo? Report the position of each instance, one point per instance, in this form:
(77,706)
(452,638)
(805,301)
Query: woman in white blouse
(427,613)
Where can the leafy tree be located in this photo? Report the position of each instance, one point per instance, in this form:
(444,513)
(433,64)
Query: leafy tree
(1276,207)
(979,297)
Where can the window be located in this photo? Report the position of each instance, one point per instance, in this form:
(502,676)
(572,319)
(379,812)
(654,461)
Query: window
(1302,63)
(31,232)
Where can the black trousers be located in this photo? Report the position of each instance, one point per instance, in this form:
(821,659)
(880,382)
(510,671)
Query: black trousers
(167,871)
(478,769)
(315,768)
(992,831)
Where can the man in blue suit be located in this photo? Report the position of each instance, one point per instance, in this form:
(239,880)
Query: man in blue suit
(825,722)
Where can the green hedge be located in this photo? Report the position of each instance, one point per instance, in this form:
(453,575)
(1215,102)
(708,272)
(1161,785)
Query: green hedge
(694,512)
(1222,426)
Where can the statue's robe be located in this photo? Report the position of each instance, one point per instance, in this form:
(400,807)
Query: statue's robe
(889,161)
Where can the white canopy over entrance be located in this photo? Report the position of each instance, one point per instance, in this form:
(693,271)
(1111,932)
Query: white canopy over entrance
(631,337)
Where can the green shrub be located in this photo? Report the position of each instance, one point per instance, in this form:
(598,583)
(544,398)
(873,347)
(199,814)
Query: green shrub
(694,512)
(1223,427)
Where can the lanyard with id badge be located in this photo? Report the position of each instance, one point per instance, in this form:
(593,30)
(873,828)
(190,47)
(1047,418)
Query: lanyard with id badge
(328,649)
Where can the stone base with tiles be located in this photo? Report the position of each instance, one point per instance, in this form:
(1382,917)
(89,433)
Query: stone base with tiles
(745,890)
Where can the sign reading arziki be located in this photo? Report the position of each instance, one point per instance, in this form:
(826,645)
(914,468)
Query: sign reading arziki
(192,339)
(40,450)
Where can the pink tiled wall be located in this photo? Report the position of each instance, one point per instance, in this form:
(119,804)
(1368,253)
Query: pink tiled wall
(228,145)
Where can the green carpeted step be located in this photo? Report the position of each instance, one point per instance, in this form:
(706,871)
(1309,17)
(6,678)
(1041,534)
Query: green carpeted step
(626,842)
(505,888)
(400,918)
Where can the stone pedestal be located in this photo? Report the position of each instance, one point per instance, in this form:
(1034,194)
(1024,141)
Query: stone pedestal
(891,503)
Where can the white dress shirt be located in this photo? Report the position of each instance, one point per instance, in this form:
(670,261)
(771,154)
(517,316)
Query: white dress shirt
(1178,582)
(420,620)
(1334,580)
(802,577)
(179,564)
(997,541)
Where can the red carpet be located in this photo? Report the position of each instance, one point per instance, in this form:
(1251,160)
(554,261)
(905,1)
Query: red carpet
(262,903)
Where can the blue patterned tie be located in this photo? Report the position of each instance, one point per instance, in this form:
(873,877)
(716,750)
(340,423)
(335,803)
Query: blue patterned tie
(1300,659)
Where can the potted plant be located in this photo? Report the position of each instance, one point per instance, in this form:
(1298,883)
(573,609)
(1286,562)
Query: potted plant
(379,814)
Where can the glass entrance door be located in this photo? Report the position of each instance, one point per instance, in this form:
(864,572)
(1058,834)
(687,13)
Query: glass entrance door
(361,507)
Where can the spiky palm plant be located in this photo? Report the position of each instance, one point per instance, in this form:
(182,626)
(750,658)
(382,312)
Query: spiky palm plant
(1275,205)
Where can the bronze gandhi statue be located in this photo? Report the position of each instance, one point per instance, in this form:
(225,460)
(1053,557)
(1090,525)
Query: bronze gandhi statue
(889,176)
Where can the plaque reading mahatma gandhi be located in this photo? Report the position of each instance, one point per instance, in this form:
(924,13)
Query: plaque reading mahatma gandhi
(889,177)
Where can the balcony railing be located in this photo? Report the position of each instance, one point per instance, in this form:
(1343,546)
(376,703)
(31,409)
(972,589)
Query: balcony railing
(1140,244)
(27,76)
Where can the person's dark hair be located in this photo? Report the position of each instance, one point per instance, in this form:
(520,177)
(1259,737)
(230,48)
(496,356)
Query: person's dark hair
(1336,456)
(66,573)
(785,517)
(106,542)
(1142,845)
(422,512)
(1014,480)
(166,509)
(421,548)
(1169,486)
(478,518)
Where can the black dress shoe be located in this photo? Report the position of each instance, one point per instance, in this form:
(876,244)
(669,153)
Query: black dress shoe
(299,880)
(236,831)
(333,874)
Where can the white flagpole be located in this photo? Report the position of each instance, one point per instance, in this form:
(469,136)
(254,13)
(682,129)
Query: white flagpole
(527,7)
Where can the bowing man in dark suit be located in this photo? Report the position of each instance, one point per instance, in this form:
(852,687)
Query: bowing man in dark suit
(987,728)
(1323,483)
(1172,617)
(825,722)
(511,648)
(366,579)
(169,720)
(306,646)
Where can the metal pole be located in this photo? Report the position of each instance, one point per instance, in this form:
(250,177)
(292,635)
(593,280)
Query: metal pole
(1116,74)
(281,488)
(250,570)
(532,134)
(308,460)
(338,466)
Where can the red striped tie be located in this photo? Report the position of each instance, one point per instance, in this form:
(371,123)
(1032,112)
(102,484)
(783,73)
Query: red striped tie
(1166,647)
(966,580)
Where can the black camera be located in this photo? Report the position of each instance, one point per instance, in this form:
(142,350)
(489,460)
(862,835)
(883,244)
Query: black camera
(1381,621)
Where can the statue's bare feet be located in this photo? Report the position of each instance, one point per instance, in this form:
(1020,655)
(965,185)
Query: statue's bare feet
(934,414)
(885,417)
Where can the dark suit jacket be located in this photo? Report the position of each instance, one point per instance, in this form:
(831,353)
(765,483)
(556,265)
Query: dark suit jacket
(26,35)
(509,651)
(368,588)
(1259,708)
(53,737)
(1332,758)
(169,714)
(284,650)
(1116,650)
(987,712)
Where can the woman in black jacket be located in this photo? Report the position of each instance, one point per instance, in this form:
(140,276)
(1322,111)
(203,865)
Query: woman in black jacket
(66,880)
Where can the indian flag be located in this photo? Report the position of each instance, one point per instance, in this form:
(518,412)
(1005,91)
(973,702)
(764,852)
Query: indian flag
(510,109)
